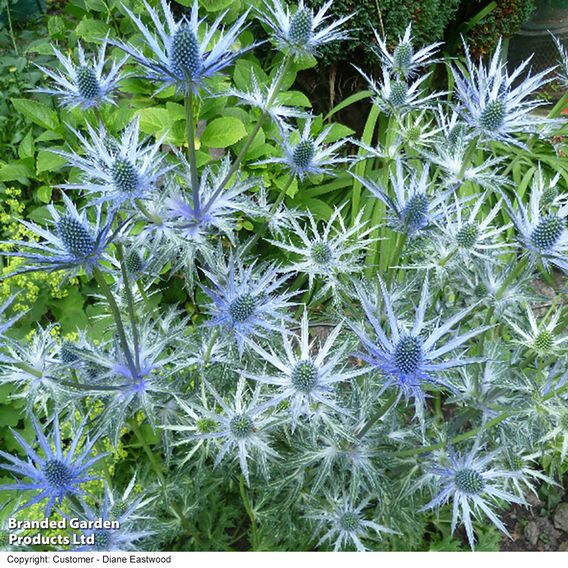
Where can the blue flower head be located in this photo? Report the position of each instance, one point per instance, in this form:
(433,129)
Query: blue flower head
(57,473)
(75,243)
(84,85)
(302,32)
(472,483)
(410,359)
(183,53)
(245,301)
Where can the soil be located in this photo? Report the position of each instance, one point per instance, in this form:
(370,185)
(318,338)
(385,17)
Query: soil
(537,528)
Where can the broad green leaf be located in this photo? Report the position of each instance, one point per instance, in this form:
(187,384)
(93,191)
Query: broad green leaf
(294,98)
(48,161)
(223,132)
(44,193)
(15,171)
(154,120)
(92,30)
(37,112)
(26,147)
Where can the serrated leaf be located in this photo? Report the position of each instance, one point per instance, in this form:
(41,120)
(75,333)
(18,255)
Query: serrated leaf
(223,132)
(15,171)
(37,112)
(92,30)
(154,120)
(26,147)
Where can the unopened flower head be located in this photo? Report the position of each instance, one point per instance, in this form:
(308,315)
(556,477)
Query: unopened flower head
(305,378)
(405,60)
(84,84)
(185,53)
(345,525)
(56,474)
(326,254)
(301,32)
(118,170)
(473,483)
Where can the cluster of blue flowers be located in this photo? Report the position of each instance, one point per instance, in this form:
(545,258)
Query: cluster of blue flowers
(301,369)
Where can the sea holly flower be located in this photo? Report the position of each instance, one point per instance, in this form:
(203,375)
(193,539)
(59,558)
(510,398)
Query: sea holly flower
(345,525)
(123,510)
(497,103)
(411,359)
(404,60)
(412,209)
(527,470)
(241,428)
(56,474)
(218,209)
(305,378)
(541,338)
(472,483)
(326,254)
(301,33)
(562,73)
(84,84)
(184,53)
(73,244)
(397,95)
(245,302)
(118,170)
(468,236)
(543,234)
(308,156)
(559,432)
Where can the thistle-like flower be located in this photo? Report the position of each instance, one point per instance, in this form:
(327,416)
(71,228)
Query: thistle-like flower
(301,33)
(495,103)
(84,85)
(543,234)
(183,52)
(410,360)
(398,95)
(241,428)
(345,525)
(245,301)
(412,209)
(467,235)
(328,254)
(542,338)
(56,474)
(308,156)
(404,61)
(118,170)
(122,512)
(217,209)
(304,377)
(562,73)
(472,483)
(75,242)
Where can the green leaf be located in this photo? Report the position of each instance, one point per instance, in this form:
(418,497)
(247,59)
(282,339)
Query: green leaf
(92,30)
(294,98)
(223,132)
(48,161)
(209,5)
(26,147)
(44,193)
(15,172)
(337,132)
(154,120)
(37,112)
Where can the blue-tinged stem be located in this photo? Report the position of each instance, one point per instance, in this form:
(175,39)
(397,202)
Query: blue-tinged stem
(250,139)
(190,126)
(249,511)
(99,277)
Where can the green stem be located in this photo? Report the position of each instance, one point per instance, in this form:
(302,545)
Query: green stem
(273,209)
(386,406)
(10,28)
(148,214)
(396,256)
(250,138)
(99,277)
(190,126)
(249,510)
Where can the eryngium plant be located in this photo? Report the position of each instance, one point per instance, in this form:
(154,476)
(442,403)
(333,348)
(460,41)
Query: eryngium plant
(353,355)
